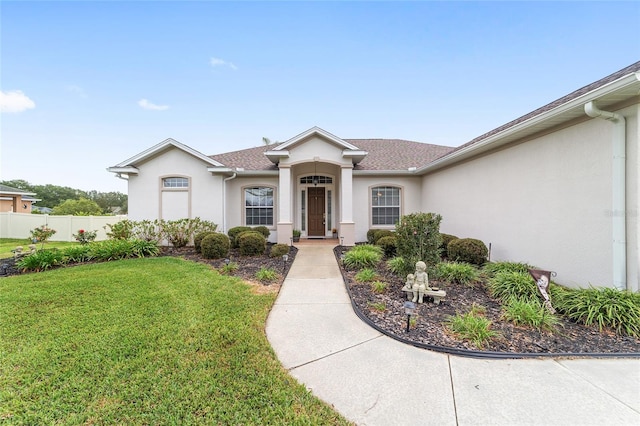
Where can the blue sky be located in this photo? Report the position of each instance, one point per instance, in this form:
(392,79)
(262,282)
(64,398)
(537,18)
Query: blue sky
(86,85)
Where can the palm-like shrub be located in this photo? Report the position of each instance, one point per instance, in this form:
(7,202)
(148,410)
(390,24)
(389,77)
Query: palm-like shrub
(363,256)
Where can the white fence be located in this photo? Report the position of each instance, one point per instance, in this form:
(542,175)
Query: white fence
(19,225)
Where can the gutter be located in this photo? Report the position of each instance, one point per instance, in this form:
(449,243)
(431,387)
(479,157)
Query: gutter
(224,201)
(619,201)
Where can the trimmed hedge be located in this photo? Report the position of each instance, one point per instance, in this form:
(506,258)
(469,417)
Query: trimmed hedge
(446,239)
(252,243)
(278,250)
(468,250)
(215,246)
(388,244)
(197,240)
(235,232)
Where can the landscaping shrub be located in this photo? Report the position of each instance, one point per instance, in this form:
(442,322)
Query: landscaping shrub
(366,275)
(41,234)
(197,239)
(142,248)
(214,245)
(468,250)
(418,238)
(388,245)
(85,237)
(446,239)
(120,230)
(606,307)
(77,254)
(492,268)
(529,313)
(263,230)
(234,233)
(41,260)
(456,272)
(472,326)
(381,233)
(252,243)
(266,275)
(397,265)
(510,286)
(379,287)
(105,251)
(278,250)
(371,236)
(147,230)
(363,256)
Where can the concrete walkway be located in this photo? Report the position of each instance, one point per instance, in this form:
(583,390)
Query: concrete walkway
(374,380)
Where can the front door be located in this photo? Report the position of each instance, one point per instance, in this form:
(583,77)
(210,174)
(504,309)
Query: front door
(316,212)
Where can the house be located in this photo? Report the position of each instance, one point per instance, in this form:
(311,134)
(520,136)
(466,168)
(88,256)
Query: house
(16,200)
(557,188)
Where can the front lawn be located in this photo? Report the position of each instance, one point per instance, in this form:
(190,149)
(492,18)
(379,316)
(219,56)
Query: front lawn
(8,244)
(143,341)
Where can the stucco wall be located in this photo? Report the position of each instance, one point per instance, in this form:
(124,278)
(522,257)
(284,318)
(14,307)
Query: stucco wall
(410,194)
(235,201)
(546,201)
(205,192)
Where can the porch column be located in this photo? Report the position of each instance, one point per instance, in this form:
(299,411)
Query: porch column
(285,225)
(347,226)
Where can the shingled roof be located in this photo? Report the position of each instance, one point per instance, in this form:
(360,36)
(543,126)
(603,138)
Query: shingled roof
(383,154)
(635,67)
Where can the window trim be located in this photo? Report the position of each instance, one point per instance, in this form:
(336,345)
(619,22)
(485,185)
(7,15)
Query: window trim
(274,217)
(162,189)
(400,206)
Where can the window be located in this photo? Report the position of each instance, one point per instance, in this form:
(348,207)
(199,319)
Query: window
(316,180)
(175,182)
(385,205)
(258,204)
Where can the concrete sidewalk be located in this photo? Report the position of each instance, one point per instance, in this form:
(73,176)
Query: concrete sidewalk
(374,380)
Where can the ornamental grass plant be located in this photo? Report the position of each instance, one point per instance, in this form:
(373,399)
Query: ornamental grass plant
(363,256)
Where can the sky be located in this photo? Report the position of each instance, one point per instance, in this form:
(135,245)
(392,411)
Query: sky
(87,85)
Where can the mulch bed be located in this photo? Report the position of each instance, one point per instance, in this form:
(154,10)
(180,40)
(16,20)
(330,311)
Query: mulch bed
(568,338)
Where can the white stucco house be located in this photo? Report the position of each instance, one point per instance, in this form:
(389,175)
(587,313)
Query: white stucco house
(557,188)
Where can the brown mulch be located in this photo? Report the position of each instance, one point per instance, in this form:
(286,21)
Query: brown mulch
(567,338)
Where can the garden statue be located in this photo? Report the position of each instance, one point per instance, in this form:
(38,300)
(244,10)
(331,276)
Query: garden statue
(417,286)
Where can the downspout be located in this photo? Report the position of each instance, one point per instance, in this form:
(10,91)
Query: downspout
(224,201)
(618,213)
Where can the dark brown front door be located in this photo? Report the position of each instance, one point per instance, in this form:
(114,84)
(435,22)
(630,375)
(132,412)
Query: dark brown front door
(316,212)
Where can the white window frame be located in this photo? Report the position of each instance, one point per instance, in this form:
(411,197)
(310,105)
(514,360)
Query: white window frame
(272,225)
(399,206)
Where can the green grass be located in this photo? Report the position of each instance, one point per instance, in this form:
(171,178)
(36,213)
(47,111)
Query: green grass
(266,275)
(8,244)
(143,341)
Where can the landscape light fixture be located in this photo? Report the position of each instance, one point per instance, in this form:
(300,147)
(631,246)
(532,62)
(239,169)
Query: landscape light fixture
(409,309)
(285,258)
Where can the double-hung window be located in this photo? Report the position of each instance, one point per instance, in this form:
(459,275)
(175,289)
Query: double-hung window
(258,205)
(385,205)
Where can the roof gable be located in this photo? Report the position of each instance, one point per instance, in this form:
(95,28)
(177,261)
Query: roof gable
(162,146)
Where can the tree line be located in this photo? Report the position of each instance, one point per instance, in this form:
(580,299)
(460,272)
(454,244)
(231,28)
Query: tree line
(66,200)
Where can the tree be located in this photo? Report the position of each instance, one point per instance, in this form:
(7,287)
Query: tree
(81,207)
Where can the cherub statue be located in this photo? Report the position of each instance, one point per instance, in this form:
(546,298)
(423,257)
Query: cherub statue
(421,281)
(408,286)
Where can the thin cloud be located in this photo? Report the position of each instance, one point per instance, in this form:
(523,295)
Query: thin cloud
(145,104)
(15,101)
(217,62)
(77,90)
